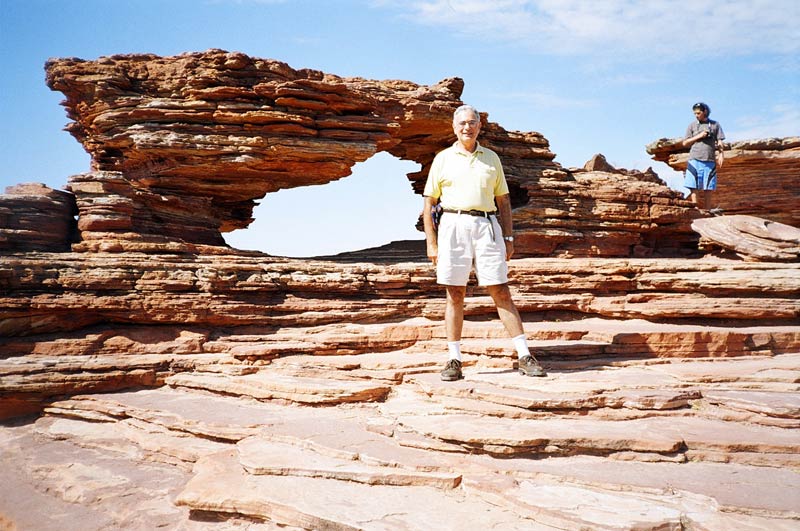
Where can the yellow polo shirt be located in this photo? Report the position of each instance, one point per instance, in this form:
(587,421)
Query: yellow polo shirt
(466,181)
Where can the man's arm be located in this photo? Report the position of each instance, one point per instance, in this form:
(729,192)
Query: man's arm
(506,221)
(431,241)
(692,139)
(720,158)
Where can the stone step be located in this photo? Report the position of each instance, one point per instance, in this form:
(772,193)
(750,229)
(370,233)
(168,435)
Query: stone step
(268,385)
(498,388)
(262,456)
(222,485)
(696,438)
(363,451)
(102,360)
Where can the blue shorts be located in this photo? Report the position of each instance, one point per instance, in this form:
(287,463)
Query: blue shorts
(701,175)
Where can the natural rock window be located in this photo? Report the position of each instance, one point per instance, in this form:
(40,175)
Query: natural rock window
(372,207)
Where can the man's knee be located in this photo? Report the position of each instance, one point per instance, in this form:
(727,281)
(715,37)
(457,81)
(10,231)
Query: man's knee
(456,294)
(500,293)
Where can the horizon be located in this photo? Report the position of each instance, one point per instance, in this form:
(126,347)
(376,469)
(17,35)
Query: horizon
(607,77)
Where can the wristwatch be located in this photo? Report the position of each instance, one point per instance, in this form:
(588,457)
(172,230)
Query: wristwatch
(508,238)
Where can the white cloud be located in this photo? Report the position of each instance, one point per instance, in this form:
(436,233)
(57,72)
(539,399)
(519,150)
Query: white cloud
(653,29)
(780,120)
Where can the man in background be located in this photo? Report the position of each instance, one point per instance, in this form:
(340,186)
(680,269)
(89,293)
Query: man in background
(705,137)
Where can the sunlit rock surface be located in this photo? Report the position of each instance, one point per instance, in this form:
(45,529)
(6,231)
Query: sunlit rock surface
(153,378)
(750,237)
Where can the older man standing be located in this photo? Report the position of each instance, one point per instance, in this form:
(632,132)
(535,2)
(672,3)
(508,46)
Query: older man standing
(468,179)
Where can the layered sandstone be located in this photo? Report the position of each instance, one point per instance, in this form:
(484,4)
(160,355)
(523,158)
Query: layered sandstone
(174,383)
(34,217)
(183,146)
(750,237)
(701,444)
(758,178)
(76,323)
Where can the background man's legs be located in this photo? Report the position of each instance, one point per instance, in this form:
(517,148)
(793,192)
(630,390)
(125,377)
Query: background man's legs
(707,199)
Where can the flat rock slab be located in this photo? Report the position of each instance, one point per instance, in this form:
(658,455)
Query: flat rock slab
(221,485)
(751,237)
(770,403)
(598,448)
(732,487)
(552,394)
(259,456)
(504,437)
(573,507)
(61,486)
(135,439)
(557,436)
(783,369)
(212,416)
(266,385)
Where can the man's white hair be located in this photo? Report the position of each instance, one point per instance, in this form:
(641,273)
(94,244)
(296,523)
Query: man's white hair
(465,108)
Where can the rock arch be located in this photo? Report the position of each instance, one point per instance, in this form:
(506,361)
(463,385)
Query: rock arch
(182,146)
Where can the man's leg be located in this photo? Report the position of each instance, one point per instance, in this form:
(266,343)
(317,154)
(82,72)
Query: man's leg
(694,197)
(714,210)
(454,312)
(506,309)
(509,315)
(454,324)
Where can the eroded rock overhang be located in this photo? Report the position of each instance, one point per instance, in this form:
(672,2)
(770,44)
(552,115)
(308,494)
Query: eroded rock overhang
(183,146)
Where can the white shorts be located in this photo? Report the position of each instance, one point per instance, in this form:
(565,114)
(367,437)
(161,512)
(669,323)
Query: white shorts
(465,241)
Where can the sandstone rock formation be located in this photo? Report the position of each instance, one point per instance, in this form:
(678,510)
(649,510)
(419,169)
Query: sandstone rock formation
(699,444)
(759,177)
(750,237)
(34,217)
(176,383)
(183,146)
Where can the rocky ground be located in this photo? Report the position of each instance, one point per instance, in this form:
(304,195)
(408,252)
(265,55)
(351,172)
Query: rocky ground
(153,378)
(377,441)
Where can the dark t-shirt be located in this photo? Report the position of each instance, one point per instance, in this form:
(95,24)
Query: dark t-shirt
(704,149)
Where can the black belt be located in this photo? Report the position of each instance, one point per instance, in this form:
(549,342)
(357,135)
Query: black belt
(480,213)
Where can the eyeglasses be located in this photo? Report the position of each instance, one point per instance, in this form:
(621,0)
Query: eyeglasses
(471,123)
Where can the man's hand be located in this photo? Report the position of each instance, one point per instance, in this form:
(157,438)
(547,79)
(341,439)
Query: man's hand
(509,250)
(433,252)
(430,232)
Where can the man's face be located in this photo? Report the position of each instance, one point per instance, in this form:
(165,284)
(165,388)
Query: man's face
(701,115)
(466,126)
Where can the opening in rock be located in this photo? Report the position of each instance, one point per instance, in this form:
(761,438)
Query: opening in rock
(372,207)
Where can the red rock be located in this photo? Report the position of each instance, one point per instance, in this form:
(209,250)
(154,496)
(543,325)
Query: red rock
(34,217)
(750,237)
(670,395)
(181,154)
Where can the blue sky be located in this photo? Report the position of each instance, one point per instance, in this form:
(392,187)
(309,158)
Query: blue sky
(602,76)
